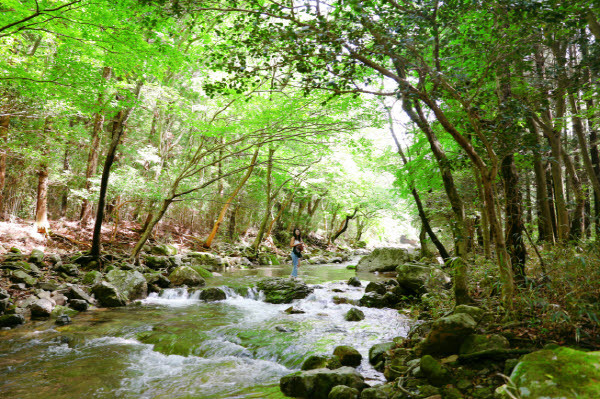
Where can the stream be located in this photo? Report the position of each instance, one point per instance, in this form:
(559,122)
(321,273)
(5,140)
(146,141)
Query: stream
(176,346)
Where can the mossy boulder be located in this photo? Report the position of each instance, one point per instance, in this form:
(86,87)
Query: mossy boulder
(321,362)
(435,373)
(317,384)
(377,393)
(377,351)
(354,282)
(76,292)
(62,310)
(373,300)
(108,295)
(11,320)
(283,290)
(476,313)
(557,373)
(447,334)
(213,294)
(157,262)
(354,314)
(70,269)
(480,343)
(36,257)
(343,392)
(209,261)
(419,279)
(383,260)
(205,273)
(185,275)
(130,283)
(19,276)
(348,355)
(379,288)
(92,277)
(164,250)
(158,279)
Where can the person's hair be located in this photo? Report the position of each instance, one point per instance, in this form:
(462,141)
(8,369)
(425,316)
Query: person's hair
(299,236)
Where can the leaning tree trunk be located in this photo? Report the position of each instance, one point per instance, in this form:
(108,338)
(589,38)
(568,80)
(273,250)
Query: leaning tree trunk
(118,128)
(344,225)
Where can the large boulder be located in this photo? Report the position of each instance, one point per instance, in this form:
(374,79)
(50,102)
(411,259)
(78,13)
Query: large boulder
(42,309)
(157,262)
(131,284)
(383,260)
(283,290)
(318,383)
(185,275)
(447,334)
(348,355)
(419,279)
(556,373)
(108,295)
(209,261)
(92,277)
(379,288)
(213,294)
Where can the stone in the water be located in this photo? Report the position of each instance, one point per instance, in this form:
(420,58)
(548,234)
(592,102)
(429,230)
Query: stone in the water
(185,275)
(321,362)
(210,261)
(354,314)
(11,320)
(283,290)
(213,294)
(375,393)
(373,300)
(354,282)
(379,288)
(63,320)
(343,392)
(78,304)
(292,310)
(108,295)
(447,334)
(316,384)
(348,355)
(378,350)
(41,309)
(157,262)
(283,329)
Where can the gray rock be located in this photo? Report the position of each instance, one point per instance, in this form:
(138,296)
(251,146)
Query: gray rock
(48,285)
(377,351)
(283,290)
(130,283)
(343,392)
(70,269)
(37,257)
(157,279)
(383,260)
(419,279)
(4,304)
(63,320)
(78,304)
(185,275)
(19,276)
(212,262)
(354,282)
(354,314)
(92,277)
(157,262)
(348,355)
(164,249)
(108,295)
(42,309)
(379,288)
(316,384)
(213,294)
(76,292)
(476,313)
(11,320)
(447,334)
(4,294)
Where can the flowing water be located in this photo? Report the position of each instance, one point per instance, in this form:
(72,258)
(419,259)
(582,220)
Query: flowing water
(176,346)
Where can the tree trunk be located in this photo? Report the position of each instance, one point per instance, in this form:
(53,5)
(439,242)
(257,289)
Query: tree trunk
(4,126)
(118,128)
(241,184)
(65,195)
(135,253)
(541,193)
(232,223)
(278,216)
(576,228)
(485,225)
(92,163)
(267,216)
(344,225)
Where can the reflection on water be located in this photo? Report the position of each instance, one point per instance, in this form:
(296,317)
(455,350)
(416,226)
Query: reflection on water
(176,346)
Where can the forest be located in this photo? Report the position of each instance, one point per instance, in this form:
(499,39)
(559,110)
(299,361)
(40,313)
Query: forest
(451,145)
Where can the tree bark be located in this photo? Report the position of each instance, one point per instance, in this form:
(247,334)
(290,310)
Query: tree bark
(267,216)
(344,225)
(541,190)
(4,126)
(41,208)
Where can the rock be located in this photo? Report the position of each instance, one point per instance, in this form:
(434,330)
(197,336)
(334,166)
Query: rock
(41,309)
(54,258)
(476,313)
(131,284)
(19,276)
(348,355)
(373,300)
(185,275)
(157,262)
(59,298)
(70,269)
(557,373)
(379,288)
(354,282)
(76,292)
(343,392)
(419,331)
(157,279)
(202,271)
(435,373)
(63,320)
(383,260)
(92,277)
(211,261)
(164,249)
(447,334)
(292,310)
(351,267)
(283,329)
(78,304)
(4,304)
(4,294)
(354,314)
(316,384)
(36,257)
(62,310)
(11,320)
(47,285)
(320,362)
(175,260)
(213,294)
(373,393)
(479,343)
(336,259)
(377,351)
(419,279)
(283,290)
(108,295)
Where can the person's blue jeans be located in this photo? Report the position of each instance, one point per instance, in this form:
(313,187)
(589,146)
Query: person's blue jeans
(295,263)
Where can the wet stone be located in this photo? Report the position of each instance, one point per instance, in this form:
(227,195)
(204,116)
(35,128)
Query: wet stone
(63,320)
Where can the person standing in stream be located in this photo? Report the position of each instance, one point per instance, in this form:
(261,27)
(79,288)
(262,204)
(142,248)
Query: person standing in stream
(297,247)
